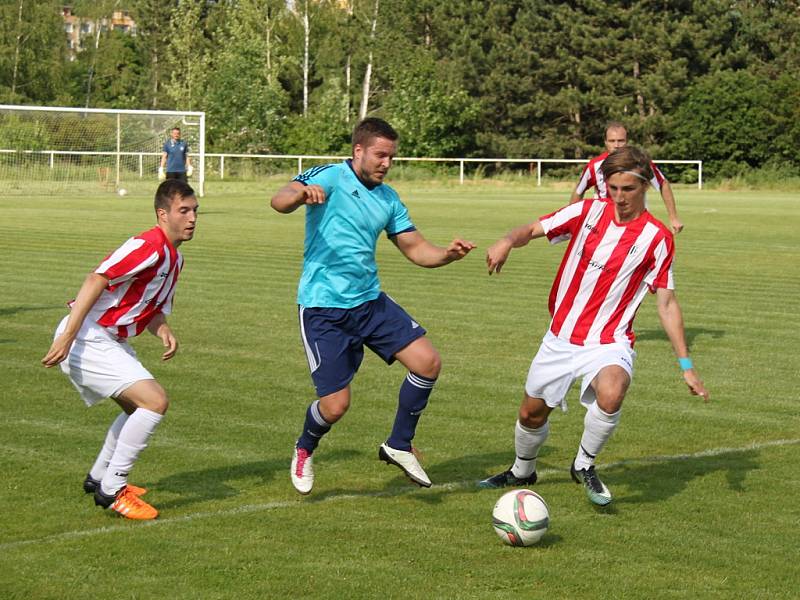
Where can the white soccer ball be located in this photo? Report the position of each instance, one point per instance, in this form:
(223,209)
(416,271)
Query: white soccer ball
(122,192)
(520,517)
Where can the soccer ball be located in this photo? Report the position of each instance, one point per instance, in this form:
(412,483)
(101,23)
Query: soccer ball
(520,517)
(122,192)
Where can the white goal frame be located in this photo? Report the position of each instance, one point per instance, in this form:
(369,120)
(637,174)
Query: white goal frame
(200,151)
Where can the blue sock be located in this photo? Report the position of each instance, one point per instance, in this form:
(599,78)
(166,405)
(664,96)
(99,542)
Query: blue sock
(414,394)
(313,430)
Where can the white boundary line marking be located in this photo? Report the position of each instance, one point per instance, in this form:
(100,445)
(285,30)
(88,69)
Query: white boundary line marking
(455,485)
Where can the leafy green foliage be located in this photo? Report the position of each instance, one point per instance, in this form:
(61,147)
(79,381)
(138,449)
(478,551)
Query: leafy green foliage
(519,78)
(737,121)
(432,118)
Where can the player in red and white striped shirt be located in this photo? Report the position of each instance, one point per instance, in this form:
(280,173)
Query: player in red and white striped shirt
(617,252)
(616,136)
(129,292)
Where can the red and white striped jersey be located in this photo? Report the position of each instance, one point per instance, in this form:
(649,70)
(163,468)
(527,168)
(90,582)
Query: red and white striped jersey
(142,275)
(606,271)
(592,176)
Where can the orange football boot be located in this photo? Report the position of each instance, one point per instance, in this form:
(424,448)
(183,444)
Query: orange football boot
(131,506)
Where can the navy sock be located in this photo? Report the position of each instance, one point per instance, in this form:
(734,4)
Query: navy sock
(313,429)
(414,394)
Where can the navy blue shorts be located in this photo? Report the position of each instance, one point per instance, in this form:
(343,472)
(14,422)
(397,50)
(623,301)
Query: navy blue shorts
(334,339)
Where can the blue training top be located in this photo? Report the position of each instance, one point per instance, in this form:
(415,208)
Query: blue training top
(339,269)
(176,155)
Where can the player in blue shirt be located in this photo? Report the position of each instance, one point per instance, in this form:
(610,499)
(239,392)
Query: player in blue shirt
(341,306)
(175,161)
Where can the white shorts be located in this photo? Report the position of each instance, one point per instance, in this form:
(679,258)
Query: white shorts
(559,363)
(99,364)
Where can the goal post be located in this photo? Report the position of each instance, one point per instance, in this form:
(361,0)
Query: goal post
(45,149)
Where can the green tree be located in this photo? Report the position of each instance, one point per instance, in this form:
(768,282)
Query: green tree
(186,55)
(116,71)
(433,117)
(324,130)
(33,52)
(736,121)
(152,39)
(247,106)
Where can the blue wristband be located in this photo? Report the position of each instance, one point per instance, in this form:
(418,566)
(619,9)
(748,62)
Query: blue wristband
(686,363)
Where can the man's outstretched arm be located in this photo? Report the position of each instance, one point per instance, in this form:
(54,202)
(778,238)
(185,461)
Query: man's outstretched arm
(421,252)
(497,254)
(669,311)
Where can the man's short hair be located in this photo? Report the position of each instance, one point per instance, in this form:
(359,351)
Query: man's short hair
(371,128)
(168,191)
(627,158)
(175,129)
(615,125)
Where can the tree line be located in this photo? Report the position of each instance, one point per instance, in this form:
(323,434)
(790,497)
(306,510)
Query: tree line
(713,80)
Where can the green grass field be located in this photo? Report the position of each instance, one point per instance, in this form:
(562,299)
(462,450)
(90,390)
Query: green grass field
(705,494)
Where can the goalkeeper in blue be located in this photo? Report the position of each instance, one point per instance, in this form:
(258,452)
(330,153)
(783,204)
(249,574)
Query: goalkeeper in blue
(340,303)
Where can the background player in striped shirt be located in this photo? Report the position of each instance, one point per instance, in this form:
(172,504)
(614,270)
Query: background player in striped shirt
(617,253)
(341,306)
(616,136)
(129,292)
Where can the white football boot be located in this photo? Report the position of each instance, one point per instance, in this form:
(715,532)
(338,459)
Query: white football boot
(407,462)
(302,470)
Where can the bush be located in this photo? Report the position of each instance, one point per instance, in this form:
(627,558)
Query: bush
(736,121)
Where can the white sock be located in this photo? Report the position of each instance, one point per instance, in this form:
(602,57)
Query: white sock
(131,441)
(597,429)
(527,442)
(101,462)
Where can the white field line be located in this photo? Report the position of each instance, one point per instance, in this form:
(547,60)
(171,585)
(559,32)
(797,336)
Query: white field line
(454,485)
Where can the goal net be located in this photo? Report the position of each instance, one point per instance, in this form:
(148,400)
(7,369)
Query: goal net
(84,151)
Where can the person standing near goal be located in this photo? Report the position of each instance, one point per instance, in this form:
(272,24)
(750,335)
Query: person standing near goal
(341,306)
(129,292)
(175,160)
(616,136)
(617,253)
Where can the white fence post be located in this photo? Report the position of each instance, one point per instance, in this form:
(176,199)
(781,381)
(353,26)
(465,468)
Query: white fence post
(222,166)
(461,172)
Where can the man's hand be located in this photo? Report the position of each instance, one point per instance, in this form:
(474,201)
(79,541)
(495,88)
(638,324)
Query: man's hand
(189,170)
(696,387)
(497,255)
(312,194)
(161,174)
(676,225)
(59,350)
(458,249)
(168,339)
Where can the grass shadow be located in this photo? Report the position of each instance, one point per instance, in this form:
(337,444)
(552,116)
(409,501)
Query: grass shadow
(691,333)
(658,481)
(219,483)
(9,311)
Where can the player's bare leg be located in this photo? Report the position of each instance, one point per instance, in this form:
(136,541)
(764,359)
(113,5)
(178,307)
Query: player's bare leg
(602,418)
(530,432)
